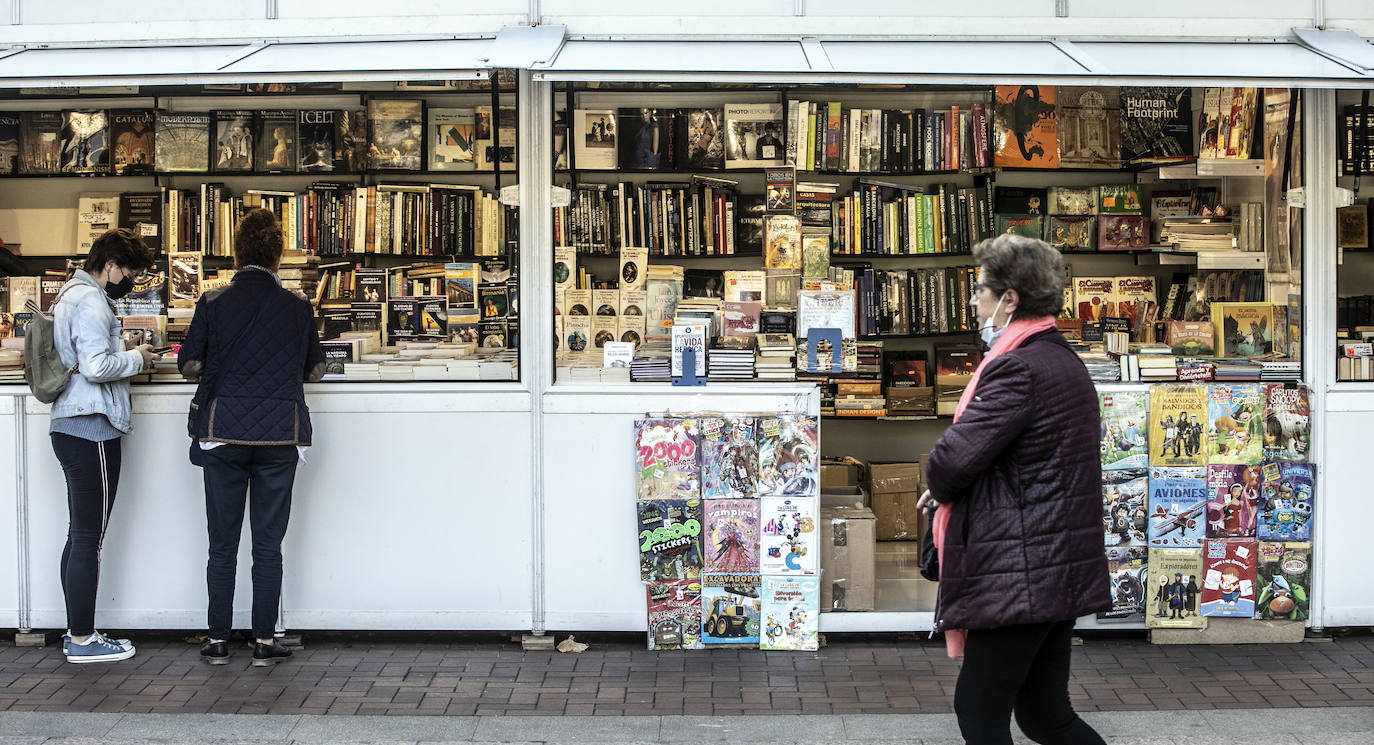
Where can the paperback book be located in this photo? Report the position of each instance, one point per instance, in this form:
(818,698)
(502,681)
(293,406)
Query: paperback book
(1287,422)
(791,613)
(789,455)
(85,141)
(788,538)
(1125,507)
(666,459)
(1228,580)
(1287,502)
(730,608)
(729,458)
(1233,495)
(731,538)
(669,539)
(1125,426)
(1174,586)
(1235,423)
(1284,576)
(674,609)
(1178,507)
(1128,572)
(1178,436)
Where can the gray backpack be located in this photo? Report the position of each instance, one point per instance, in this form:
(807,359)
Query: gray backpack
(43,369)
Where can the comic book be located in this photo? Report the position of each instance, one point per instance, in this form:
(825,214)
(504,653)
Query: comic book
(730,608)
(674,614)
(1173,587)
(729,457)
(666,459)
(789,456)
(669,539)
(1287,422)
(788,542)
(1128,571)
(1284,576)
(1178,436)
(1286,502)
(731,538)
(1235,423)
(1232,500)
(1228,579)
(1178,507)
(791,612)
(1125,425)
(1124,505)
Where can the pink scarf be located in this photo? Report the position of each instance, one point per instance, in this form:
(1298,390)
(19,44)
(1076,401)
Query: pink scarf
(1012,337)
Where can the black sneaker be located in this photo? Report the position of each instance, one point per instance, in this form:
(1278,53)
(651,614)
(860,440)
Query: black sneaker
(215,653)
(267,654)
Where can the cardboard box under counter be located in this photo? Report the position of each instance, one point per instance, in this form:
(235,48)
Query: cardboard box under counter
(848,560)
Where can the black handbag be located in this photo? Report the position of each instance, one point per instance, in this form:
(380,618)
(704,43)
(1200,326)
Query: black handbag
(930,556)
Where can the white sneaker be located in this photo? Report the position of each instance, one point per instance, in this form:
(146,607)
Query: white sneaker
(98,649)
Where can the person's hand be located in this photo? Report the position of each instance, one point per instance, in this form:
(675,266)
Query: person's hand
(927,502)
(146,352)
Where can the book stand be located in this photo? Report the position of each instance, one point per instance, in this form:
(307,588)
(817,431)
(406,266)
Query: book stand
(813,340)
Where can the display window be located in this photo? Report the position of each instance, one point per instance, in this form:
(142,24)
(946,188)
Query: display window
(1354,248)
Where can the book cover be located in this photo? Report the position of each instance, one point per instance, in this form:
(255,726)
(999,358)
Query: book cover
(604,329)
(451,135)
(40,142)
(1119,199)
(1156,124)
(780,191)
(729,458)
(1235,423)
(674,608)
(397,131)
(753,135)
(1071,200)
(689,336)
(1284,578)
(432,315)
(669,539)
(351,145)
(634,263)
(1233,493)
(594,138)
(182,143)
(1191,338)
(749,224)
(146,299)
(1022,200)
(236,135)
(183,278)
(494,301)
(460,285)
(791,613)
(1134,296)
(494,146)
(1228,579)
(1287,502)
(731,537)
(1168,203)
(1287,422)
(789,455)
(1125,425)
(1177,507)
(1073,233)
(730,608)
(1243,329)
(740,320)
(700,139)
(1128,573)
(1029,226)
(497,334)
(1093,298)
(577,332)
(1122,232)
(1178,436)
(1125,504)
(1089,126)
(1175,582)
(643,138)
(316,138)
(820,309)
(1025,130)
(667,462)
(141,212)
(815,256)
(132,134)
(276,141)
(401,321)
(85,141)
(782,242)
(95,214)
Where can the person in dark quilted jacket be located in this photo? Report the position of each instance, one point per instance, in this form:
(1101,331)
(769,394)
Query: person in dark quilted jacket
(1016,482)
(253,345)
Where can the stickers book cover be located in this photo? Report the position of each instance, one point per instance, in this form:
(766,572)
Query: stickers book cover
(731,540)
(1128,577)
(666,459)
(669,539)
(1228,580)
(1124,505)
(1174,585)
(1287,422)
(789,543)
(1284,576)
(1125,424)
(791,610)
(1233,494)
(1286,502)
(674,609)
(730,608)
(789,456)
(1178,436)
(1235,423)
(1178,507)
(729,457)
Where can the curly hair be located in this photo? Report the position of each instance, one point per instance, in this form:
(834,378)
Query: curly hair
(1031,267)
(257,240)
(123,247)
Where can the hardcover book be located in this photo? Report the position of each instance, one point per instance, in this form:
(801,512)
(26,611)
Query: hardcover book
(700,139)
(235,141)
(780,190)
(85,141)
(9,143)
(1125,425)
(40,142)
(95,214)
(1072,200)
(351,145)
(791,612)
(1089,126)
(1029,226)
(667,462)
(1284,578)
(1134,297)
(1122,232)
(1125,505)
(753,135)
(669,539)
(316,137)
(731,537)
(1178,507)
(674,608)
(1233,494)
(788,543)
(1287,423)
(1175,582)
(1118,199)
(183,279)
(1093,298)
(1178,435)
(730,608)
(644,137)
(1156,124)
(1073,233)
(1191,338)
(1128,573)
(594,138)
(1243,329)
(451,134)
(276,141)
(1025,128)
(1236,423)
(133,137)
(1287,502)
(1228,580)
(397,131)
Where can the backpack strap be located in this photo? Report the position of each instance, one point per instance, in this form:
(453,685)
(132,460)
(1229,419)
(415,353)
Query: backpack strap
(33,308)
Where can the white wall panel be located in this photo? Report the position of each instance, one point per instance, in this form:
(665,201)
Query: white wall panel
(9,529)
(880,9)
(1346,511)
(96,11)
(292,9)
(1184,9)
(696,10)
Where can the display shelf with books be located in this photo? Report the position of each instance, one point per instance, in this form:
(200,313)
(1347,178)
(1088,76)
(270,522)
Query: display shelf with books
(1354,255)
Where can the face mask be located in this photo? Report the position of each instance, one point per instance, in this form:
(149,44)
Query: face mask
(118,290)
(987,332)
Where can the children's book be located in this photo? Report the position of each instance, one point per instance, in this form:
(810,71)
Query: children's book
(1178,436)
(1228,579)
(1232,500)
(729,457)
(1124,505)
(1125,425)
(669,539)
(791,610)
(1287,422)
(1286,502)
(789,455)
(1128,577)
(667,463)
(1175,582)
(674,614)
(731,538)
(1178,506)
(788,541)
(1284,576)
(730,608)
(1235,423)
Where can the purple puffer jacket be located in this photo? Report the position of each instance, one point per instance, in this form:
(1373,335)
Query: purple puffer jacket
(1021,472)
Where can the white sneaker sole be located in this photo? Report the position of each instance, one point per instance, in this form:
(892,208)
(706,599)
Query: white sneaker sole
(79,659)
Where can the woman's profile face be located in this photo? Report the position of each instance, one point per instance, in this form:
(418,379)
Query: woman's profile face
(984,301)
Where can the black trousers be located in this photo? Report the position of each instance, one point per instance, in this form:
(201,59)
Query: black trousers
(261,477)
(1020,668)
(92,473)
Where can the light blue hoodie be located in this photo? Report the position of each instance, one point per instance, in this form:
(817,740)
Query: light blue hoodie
(87,333)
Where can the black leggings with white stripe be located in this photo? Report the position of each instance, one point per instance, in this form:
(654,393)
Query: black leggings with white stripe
(92,471)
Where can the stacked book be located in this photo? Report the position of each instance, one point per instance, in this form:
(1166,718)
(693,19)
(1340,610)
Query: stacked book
(299,271)
(653,361)
(12,360)
(860,398)
(1199,233)
(1155,367)
(870,362)
(731,359)
(774,360)
(1282,371)
(1234,368)
(1102,367)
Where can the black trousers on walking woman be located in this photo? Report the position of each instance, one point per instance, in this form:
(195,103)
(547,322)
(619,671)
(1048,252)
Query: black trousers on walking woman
(92,472)
(1023,669)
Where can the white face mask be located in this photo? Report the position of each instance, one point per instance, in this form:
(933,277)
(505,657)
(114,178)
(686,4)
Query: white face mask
(988,332)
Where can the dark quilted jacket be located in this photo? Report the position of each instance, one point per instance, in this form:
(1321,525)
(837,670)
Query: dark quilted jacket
(258,386)
(1021,472)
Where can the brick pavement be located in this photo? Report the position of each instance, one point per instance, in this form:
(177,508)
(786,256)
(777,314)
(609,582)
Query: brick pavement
(488,675)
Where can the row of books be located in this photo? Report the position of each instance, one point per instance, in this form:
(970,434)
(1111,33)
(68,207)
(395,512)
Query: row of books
(736,135)
(701,218)
(828,136)
(390,134)
(884,218)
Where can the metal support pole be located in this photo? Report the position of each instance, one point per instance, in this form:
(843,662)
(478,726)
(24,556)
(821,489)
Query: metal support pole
(21,492)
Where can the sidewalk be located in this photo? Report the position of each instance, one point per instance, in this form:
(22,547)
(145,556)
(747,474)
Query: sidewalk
(370,688)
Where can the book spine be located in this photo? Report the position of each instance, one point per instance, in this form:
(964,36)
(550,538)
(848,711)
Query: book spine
(955,134)
(792,128)
(928,141)
(832,135)
(856,120)
(980,136)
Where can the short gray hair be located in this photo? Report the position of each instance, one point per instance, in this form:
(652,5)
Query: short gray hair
(1031,267)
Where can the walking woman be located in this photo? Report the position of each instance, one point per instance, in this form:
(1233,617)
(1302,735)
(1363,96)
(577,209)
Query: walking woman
(252,344)
(1017,481)
(88,421)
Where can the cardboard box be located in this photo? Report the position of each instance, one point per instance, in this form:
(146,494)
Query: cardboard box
(886,478)
(841,472)
(897,516)
(848,560)
(844,497)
